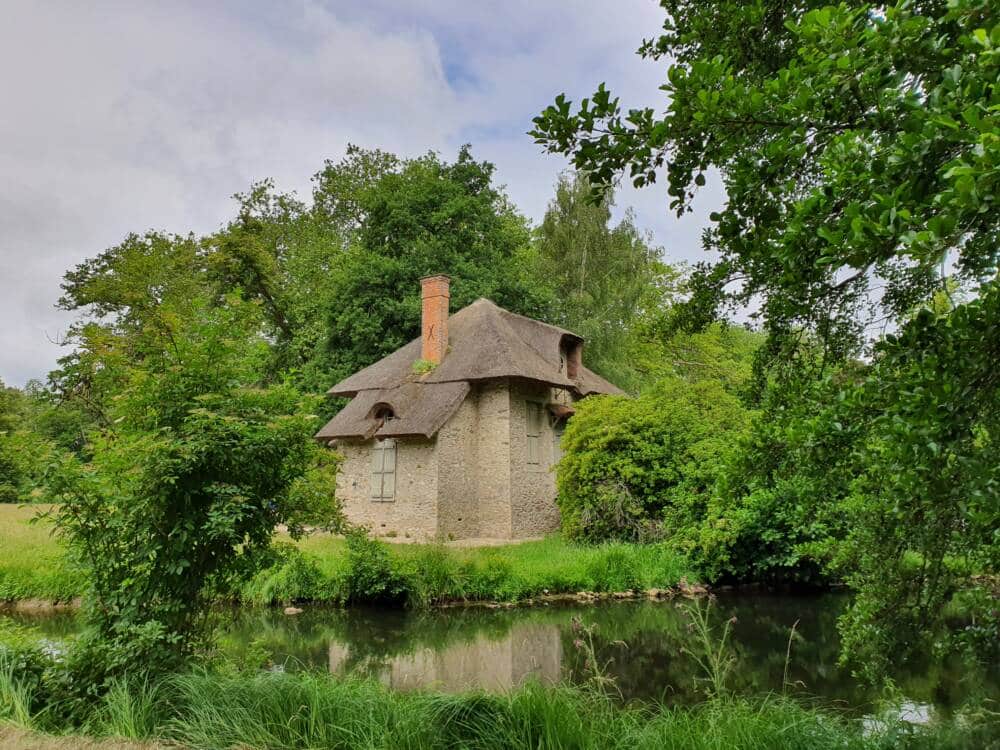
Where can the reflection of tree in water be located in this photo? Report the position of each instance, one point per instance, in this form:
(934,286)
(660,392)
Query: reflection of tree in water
(652,666)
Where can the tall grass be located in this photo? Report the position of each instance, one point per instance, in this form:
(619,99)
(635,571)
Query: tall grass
(15,697)
(711,652)
(204,709)
(309,710)
(131,709)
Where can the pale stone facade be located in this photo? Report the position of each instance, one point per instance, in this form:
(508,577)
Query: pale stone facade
(455,435)
(474,478)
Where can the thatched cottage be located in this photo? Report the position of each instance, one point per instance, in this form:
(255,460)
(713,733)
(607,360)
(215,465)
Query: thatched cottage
(453,435)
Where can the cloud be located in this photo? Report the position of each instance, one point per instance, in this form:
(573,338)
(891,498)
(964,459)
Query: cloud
(126,116)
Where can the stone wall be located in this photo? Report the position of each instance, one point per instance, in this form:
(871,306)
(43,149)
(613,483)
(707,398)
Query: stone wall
(473,480)
(492,468)
(413,513)
(533,486)
(458,488)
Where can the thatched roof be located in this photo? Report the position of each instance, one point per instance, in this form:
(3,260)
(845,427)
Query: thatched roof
(485,342)
(419,410)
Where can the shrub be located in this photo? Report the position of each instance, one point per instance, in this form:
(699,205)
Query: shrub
(372,577)
(634,469)
(432,574)
(22,454)
(286,575)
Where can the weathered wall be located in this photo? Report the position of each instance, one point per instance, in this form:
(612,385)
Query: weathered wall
(457,454)
(413,513)
(533,486)
(492,469)
(473,480)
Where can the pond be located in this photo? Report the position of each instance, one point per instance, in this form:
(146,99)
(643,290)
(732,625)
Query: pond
(641,645)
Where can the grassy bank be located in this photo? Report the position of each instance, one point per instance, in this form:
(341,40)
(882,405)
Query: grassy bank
(209,710)
(324,568)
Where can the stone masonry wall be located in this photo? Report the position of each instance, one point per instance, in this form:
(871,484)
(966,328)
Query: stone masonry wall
(533,486)
(457,454)
(492,467)
(413,513)
(473,480)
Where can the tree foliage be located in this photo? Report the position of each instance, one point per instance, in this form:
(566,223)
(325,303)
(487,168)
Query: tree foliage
(198,467)
(646,467)
(858,145)
(424,217)
(604,279)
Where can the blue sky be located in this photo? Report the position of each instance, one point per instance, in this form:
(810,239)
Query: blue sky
(128,116)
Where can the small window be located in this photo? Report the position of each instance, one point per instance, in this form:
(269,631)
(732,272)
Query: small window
(384,470)
(534,432)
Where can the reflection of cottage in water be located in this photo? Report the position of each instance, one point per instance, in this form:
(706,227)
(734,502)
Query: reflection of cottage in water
(526,651)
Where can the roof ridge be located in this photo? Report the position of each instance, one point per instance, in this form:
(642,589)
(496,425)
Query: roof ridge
(486,341)
(537,322)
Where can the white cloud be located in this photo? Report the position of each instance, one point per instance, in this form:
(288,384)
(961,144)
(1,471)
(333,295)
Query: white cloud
(119,117)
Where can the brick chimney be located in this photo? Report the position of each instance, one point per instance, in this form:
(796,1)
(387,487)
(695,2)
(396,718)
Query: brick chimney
(434,317)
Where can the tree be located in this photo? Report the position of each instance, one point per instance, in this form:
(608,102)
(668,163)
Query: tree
(422,217)
(603,279)
(846,164)
(11,469)
(196,468)
(129,296)
(858,145)
(282,254)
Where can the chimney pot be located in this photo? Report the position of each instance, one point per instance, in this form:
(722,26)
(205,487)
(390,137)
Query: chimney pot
(435,293)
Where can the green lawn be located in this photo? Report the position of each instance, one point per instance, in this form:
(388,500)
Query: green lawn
(32,566)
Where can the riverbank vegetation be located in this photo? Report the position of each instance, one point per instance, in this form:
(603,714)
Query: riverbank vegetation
(211,710)
(232,703)
(324,568)
(851,434)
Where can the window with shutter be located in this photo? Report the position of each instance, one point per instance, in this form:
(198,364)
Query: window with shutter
(383,470)
(534,432)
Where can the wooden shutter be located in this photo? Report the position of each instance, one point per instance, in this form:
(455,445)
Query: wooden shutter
(378,460)
(383,470)
(534,432)
(389,470)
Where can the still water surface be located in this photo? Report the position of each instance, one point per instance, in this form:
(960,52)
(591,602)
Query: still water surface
(640,644)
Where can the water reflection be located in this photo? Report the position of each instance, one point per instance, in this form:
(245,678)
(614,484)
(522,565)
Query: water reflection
(461,649)
(526,651)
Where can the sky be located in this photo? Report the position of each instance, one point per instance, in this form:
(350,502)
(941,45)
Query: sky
(120,117)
